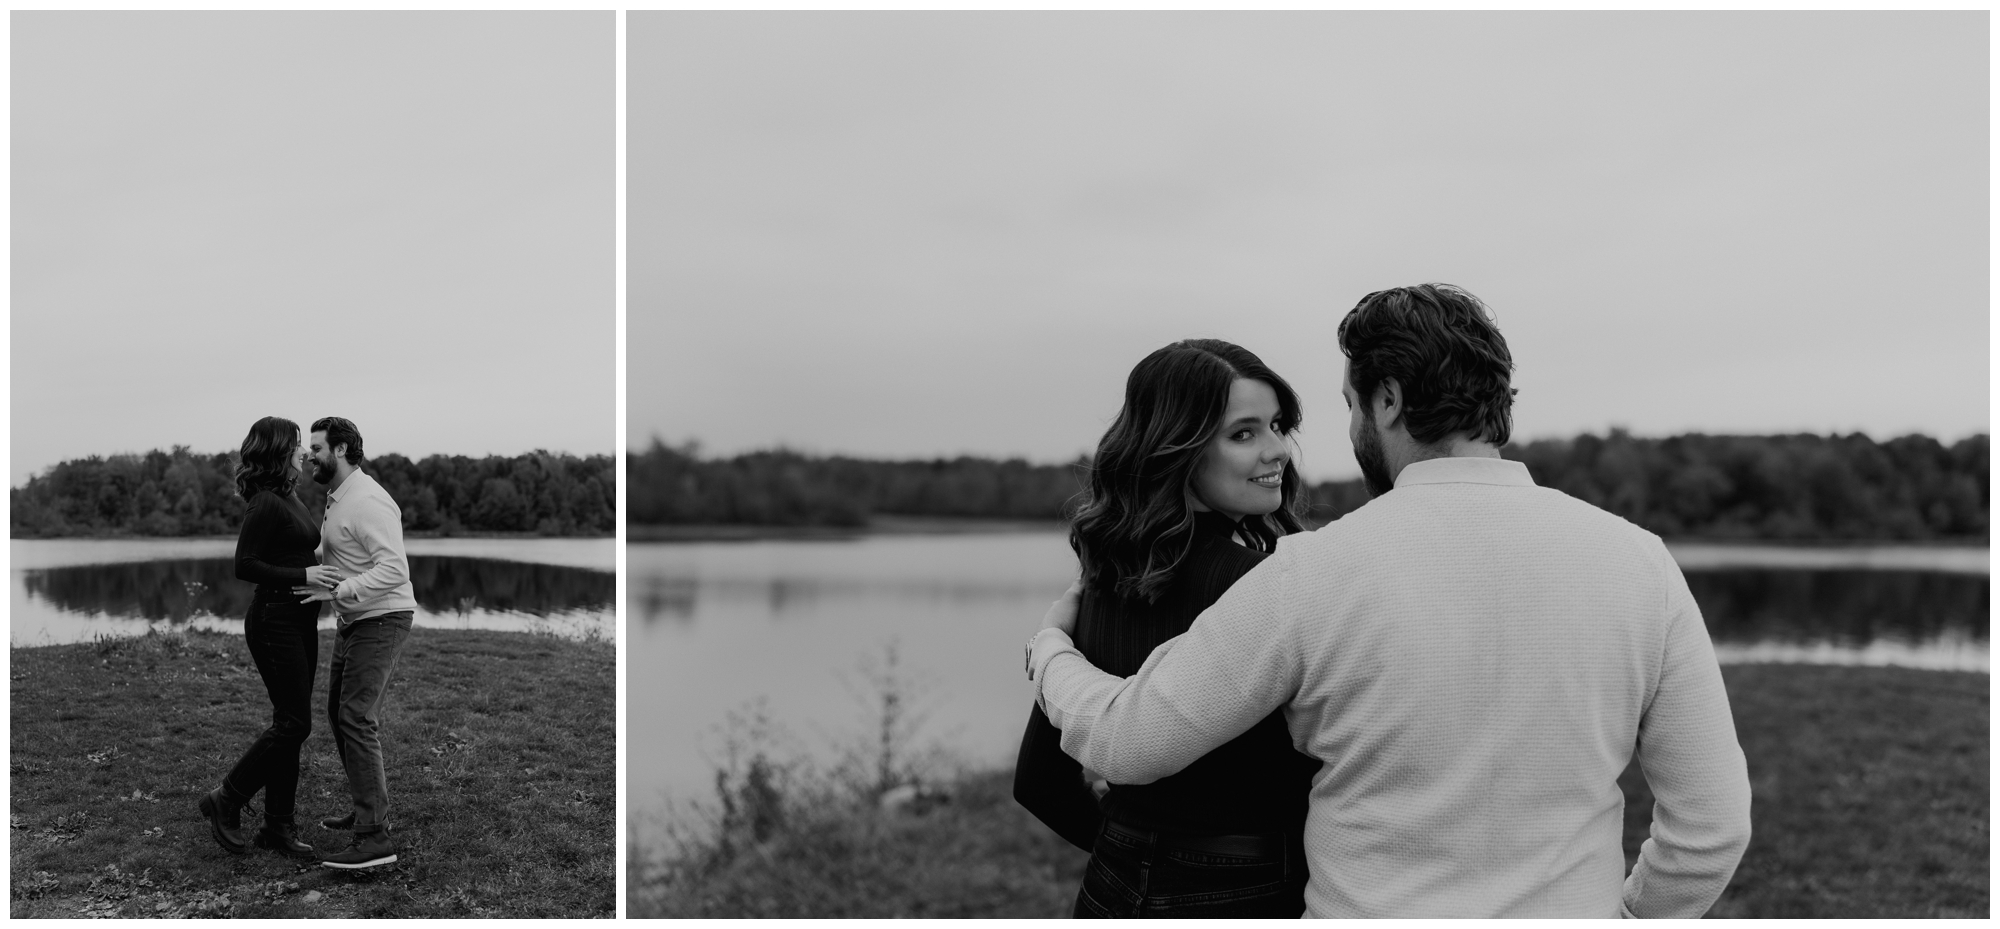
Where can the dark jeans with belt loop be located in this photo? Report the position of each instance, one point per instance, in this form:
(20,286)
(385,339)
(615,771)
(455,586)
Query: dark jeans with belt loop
(1147,873)
(364,652)
(283,636)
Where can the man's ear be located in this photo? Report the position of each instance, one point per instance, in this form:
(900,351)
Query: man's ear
(1387,403)
(340,452)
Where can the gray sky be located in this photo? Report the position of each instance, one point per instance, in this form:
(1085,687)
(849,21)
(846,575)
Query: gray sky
(401,218)
(919,234)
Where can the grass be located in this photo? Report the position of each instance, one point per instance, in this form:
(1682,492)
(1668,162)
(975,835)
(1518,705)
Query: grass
(1869,793)
(501,777)
(784,840)
(1870,800)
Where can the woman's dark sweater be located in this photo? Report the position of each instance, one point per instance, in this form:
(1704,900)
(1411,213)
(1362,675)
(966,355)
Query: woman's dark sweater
(278,542)
(1256,784)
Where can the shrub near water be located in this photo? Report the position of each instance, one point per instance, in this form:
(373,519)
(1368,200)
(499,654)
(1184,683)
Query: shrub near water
(784,838)
(501,762)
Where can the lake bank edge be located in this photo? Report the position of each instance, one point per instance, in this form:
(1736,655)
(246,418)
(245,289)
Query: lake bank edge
(99,641)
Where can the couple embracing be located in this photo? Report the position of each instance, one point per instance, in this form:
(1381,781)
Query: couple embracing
(354,559)
(1420,709)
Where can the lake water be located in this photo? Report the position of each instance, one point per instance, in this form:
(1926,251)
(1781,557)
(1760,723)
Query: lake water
(713,626)
(73,590)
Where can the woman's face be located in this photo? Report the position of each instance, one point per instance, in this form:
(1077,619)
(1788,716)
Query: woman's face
(299,455)
(1243,468)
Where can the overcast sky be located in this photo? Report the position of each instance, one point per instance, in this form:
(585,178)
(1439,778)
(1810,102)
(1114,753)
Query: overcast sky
(405,219)
(919,234)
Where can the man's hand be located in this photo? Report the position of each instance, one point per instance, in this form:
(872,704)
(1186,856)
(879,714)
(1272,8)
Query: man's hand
(320,581)
(1062,613)
(324,576)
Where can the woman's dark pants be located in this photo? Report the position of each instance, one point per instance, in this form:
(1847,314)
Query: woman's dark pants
(1140,873)
(284,642)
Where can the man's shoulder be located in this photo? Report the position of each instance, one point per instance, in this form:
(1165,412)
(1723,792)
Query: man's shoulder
(1364,531)
(1595,520)
(370,489)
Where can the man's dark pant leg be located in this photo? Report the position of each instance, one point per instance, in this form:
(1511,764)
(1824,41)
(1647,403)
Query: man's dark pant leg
(364,653)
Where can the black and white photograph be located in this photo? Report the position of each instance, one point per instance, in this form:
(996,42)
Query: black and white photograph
(1341,464)
(313,498)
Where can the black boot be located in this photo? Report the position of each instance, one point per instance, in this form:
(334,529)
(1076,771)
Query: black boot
(366,850)
(339,823)
(282,836)
(224,821)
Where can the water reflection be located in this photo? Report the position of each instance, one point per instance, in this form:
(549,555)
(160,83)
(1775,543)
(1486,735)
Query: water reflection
(714,625)
(1820,608)
(1841,608)
(668,597)
(182,589)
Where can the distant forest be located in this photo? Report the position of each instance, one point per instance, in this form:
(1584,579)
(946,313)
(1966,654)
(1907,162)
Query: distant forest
(1779,488)
(179,492)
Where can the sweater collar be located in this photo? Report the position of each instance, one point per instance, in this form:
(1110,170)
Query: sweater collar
(346,486)
(1466,471)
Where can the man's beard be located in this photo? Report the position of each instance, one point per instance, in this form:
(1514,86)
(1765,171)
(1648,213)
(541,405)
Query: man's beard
(322,472)
(1374,464)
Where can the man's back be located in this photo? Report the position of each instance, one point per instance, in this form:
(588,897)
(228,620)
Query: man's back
(1475,682)
(1473,658)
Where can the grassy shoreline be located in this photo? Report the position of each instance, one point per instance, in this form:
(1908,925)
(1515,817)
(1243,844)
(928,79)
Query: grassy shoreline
(501,767)
(1870,799)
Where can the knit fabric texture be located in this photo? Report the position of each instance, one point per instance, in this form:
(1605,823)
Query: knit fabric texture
(1474,659)
(363,537)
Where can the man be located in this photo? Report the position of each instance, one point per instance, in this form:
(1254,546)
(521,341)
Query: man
(362,539)
(1472,658)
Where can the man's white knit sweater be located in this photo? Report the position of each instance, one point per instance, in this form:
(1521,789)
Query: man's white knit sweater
(363,537)
(1474,659)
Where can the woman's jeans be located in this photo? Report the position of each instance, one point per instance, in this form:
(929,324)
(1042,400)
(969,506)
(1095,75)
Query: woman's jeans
(1137,872)
(284,642)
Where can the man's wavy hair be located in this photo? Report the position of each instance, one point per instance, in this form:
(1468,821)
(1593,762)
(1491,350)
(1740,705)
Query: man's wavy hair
(340,431)
(265,461)
(1134,522)
(1439,342)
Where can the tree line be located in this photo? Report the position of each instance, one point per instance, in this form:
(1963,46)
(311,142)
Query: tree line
(675,486)
(180,492)
(1778,487)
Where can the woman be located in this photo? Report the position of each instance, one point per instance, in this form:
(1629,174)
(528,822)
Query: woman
(276,550)
(1191,488)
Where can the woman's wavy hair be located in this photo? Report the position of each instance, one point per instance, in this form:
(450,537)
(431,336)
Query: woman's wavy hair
(265,461)
(1439,342)
(1134,521)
